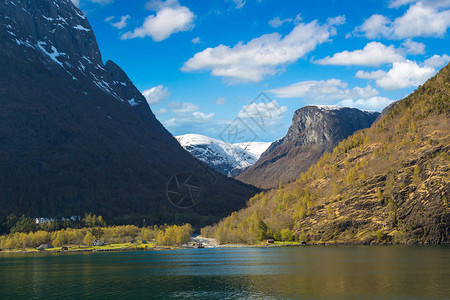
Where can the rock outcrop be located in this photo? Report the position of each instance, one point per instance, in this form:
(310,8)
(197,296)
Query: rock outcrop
(314,131)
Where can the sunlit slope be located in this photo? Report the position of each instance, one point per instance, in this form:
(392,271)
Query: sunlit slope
(385,184)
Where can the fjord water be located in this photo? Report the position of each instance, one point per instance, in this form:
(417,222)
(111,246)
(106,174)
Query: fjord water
(231,273)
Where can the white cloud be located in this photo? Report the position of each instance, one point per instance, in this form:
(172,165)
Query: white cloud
(221,101)
(182,108)
(375,27)
(324,91)
(239,3)
(420,20)
(370,75)
(373,54)
(187,120)
(437,61)
(262,56)
(277,22)
(432,3)
(161,111)
(156,94)
(77,2)
(373,103)
(108,19)
(270,112)
(122,23)
(196,40)
(170,18)
(401,75)
(413,48)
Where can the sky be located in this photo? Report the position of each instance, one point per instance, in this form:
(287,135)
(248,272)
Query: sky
(237,70)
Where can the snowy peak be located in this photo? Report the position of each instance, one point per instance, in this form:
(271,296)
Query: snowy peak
(230,159)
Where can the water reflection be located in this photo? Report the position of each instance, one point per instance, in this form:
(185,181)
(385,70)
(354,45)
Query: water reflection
(244,273)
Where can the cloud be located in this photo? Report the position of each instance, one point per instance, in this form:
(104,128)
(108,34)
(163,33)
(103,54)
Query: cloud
(170,18)
(181,108)
(239,3)
(432,3)
(122,23)
(156,94)
(373,54)
(437,61)
(196,40)
(161,111)
(189,120)
(221,101)
(373,103)
(374,27)
(262,56)
(413,48)
(108,19)
(334,91)
(277,22)
(324,91)
(370,75)
(77,2)
(401,75)
(270,112)
(420,20)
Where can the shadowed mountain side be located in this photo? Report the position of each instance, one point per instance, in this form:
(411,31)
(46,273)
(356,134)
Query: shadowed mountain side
(77,136)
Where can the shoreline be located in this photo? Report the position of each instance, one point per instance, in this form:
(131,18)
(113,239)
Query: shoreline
(229,246)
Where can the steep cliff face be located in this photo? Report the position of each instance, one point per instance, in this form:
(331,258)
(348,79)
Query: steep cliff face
(77,136)
(314,131)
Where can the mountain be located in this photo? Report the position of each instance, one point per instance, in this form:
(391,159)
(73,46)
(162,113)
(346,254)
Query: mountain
(385,184)
(77,136)
(229,159)
(314,131)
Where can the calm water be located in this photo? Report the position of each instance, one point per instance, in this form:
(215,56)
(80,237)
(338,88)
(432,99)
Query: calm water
(238,273)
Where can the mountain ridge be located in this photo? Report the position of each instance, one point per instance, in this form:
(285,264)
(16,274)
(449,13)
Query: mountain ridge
(315,130)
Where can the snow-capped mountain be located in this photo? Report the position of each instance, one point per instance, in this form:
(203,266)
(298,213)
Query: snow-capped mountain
(230,159)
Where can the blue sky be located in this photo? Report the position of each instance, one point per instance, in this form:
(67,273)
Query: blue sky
(201,64)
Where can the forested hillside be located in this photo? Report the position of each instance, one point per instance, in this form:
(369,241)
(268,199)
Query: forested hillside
(386,184)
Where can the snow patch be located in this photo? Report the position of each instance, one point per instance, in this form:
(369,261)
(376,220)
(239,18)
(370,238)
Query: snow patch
(221,155)
(53,55)
(328,107)
(133,102)
(79,27)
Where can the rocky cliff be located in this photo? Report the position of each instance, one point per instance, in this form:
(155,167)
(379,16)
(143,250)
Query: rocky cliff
(314,131)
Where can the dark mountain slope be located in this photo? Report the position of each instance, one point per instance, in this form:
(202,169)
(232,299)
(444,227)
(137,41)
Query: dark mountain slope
(314,131)
(76,136)
(386,184)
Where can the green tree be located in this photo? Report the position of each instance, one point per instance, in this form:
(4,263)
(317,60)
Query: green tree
(286,234)
(24,225)
(88,239)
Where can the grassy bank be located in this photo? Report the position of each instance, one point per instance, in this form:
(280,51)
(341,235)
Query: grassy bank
(115,237)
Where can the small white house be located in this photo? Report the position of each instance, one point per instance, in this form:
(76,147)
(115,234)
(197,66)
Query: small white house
(43,220)
(98,243)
